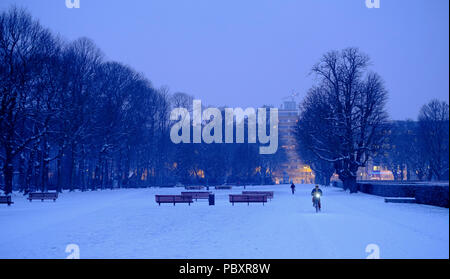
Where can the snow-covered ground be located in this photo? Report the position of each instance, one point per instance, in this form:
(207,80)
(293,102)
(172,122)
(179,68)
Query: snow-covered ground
(129,224)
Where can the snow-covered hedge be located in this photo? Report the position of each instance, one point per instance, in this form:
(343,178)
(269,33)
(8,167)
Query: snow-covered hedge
(424,193)
(433,195)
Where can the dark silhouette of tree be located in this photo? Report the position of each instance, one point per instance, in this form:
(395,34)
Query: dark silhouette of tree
(344,114)
(24,47)
(434,137)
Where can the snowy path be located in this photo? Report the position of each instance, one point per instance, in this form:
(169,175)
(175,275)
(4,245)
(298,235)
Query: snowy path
(129,224)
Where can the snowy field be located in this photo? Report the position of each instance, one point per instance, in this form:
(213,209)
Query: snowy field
(129,224)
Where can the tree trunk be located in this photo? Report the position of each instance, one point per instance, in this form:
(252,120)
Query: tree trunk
(402,172)
(126,170)
(82,173)
(45,164)
(105,173)
(8,170)
(29,175)
(72,167)
(58,169)
(37,168)
(318,179)
(22,173)
(344,184)
(429,175)
(97,176)
(350,183)
(408,172)
(394,173)
(327,180)
(119,171)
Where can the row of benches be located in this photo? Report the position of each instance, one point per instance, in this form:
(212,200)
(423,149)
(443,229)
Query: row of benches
(185,197)
(31,196)
(188,197)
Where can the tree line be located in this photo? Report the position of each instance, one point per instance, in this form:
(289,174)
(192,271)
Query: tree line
(419,149)
(343,124)
(70,119)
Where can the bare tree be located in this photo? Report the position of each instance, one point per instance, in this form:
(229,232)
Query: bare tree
(23,46)
(433,135)
(346,113)
(314,126)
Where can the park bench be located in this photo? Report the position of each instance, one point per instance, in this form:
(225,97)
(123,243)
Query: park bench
(197,195)
(6,200)
(269,194)
(43,196)
(173,199)
(400,200)
(194,187)
(248,198)
(223,187)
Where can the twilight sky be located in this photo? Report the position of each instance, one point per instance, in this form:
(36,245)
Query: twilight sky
(255,52)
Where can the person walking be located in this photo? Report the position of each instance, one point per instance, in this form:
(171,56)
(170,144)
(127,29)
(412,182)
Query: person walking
(293,188)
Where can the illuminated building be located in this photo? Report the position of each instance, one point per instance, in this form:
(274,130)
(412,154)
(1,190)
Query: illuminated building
(293,170)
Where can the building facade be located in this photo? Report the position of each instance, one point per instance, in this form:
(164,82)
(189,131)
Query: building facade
(293,170)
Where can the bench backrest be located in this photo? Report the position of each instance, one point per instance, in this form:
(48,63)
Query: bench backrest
(51,195)
(223,187)
(248,198)
(5,199)
(196,194)
(173,198)
(266,193)
(194,187)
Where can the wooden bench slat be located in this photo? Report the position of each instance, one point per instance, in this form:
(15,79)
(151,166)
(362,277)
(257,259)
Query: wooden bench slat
(194,187)
(269,194)
(197,195)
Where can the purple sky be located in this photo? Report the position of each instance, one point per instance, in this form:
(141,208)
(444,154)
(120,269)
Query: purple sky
(251,53)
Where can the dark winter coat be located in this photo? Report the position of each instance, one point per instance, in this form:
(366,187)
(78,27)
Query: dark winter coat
(314,191)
